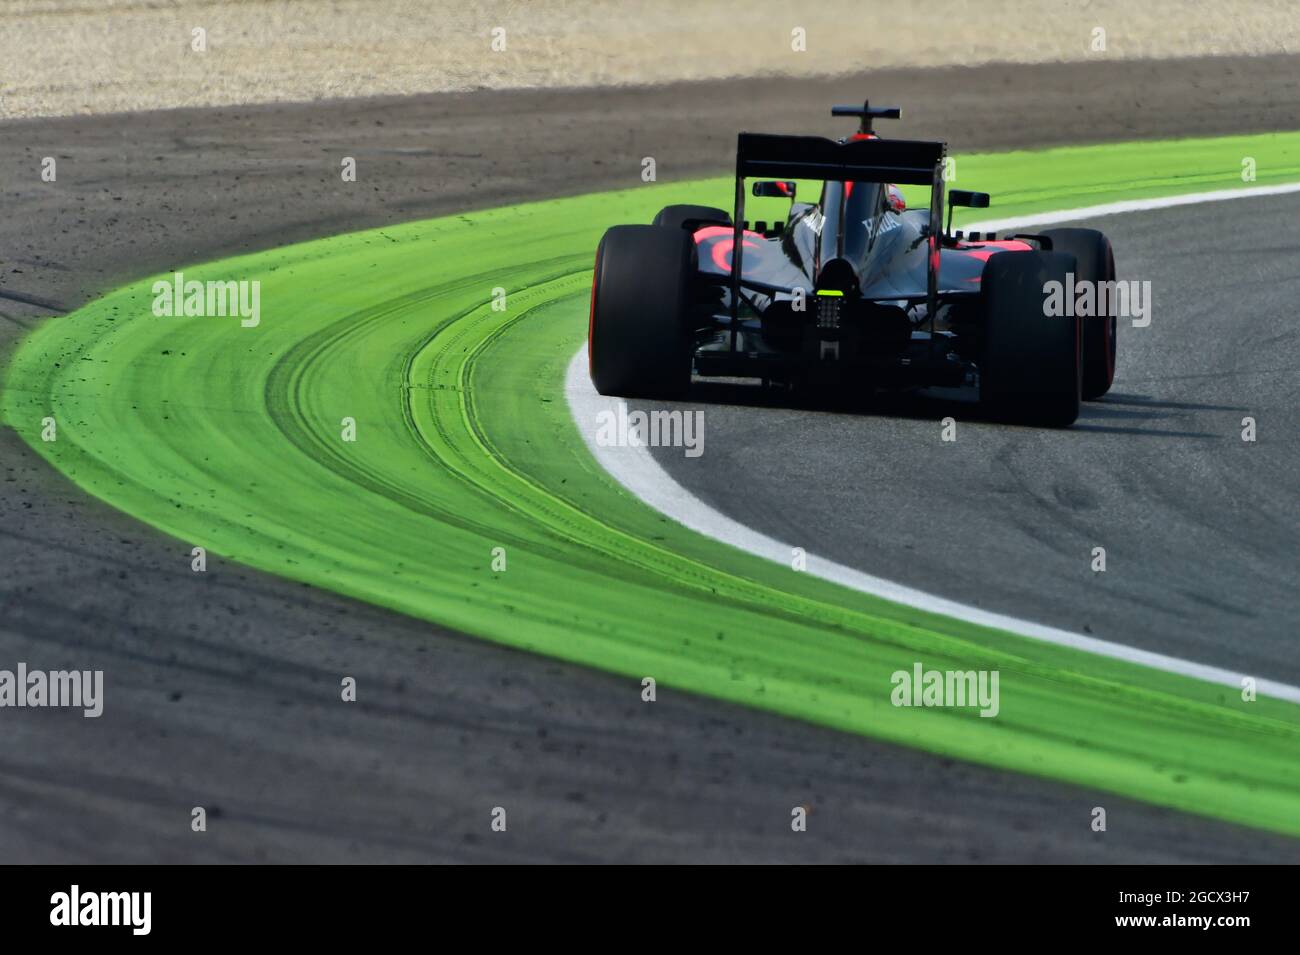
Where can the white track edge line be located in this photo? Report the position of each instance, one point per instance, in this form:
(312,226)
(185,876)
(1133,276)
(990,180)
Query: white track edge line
(1134,205)
(636,470)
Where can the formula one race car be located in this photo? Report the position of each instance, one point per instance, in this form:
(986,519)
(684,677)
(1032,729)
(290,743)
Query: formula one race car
(855,292)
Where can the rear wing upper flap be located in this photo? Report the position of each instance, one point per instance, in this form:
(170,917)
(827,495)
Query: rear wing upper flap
(912,162)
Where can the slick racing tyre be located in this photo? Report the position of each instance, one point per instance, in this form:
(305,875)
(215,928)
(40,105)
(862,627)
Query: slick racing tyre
(639,339)
(674,217)
(1031,369)
(1095,263)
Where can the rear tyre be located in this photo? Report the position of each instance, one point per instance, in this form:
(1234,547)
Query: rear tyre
(674,217)
(1030,370)
(1095,263)
(639,339)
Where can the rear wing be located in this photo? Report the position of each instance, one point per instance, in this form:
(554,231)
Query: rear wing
(906,161)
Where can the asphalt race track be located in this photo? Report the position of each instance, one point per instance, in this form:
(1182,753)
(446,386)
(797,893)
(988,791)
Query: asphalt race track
(227,698)
(1199,526)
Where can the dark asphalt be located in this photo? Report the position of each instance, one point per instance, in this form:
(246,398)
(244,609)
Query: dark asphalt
(1201,530)
(222,689)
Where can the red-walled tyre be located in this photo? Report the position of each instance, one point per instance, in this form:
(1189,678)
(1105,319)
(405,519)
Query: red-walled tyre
(674,217)
(639,339)
(1095,262)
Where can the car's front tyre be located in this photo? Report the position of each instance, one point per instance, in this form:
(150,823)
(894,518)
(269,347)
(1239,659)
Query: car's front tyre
(1095,263)
(676,217)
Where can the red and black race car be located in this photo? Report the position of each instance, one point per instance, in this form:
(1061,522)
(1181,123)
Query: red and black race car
(854,291)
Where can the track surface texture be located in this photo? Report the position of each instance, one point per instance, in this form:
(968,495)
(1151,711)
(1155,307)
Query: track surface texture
(231,698)
(1199,526)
